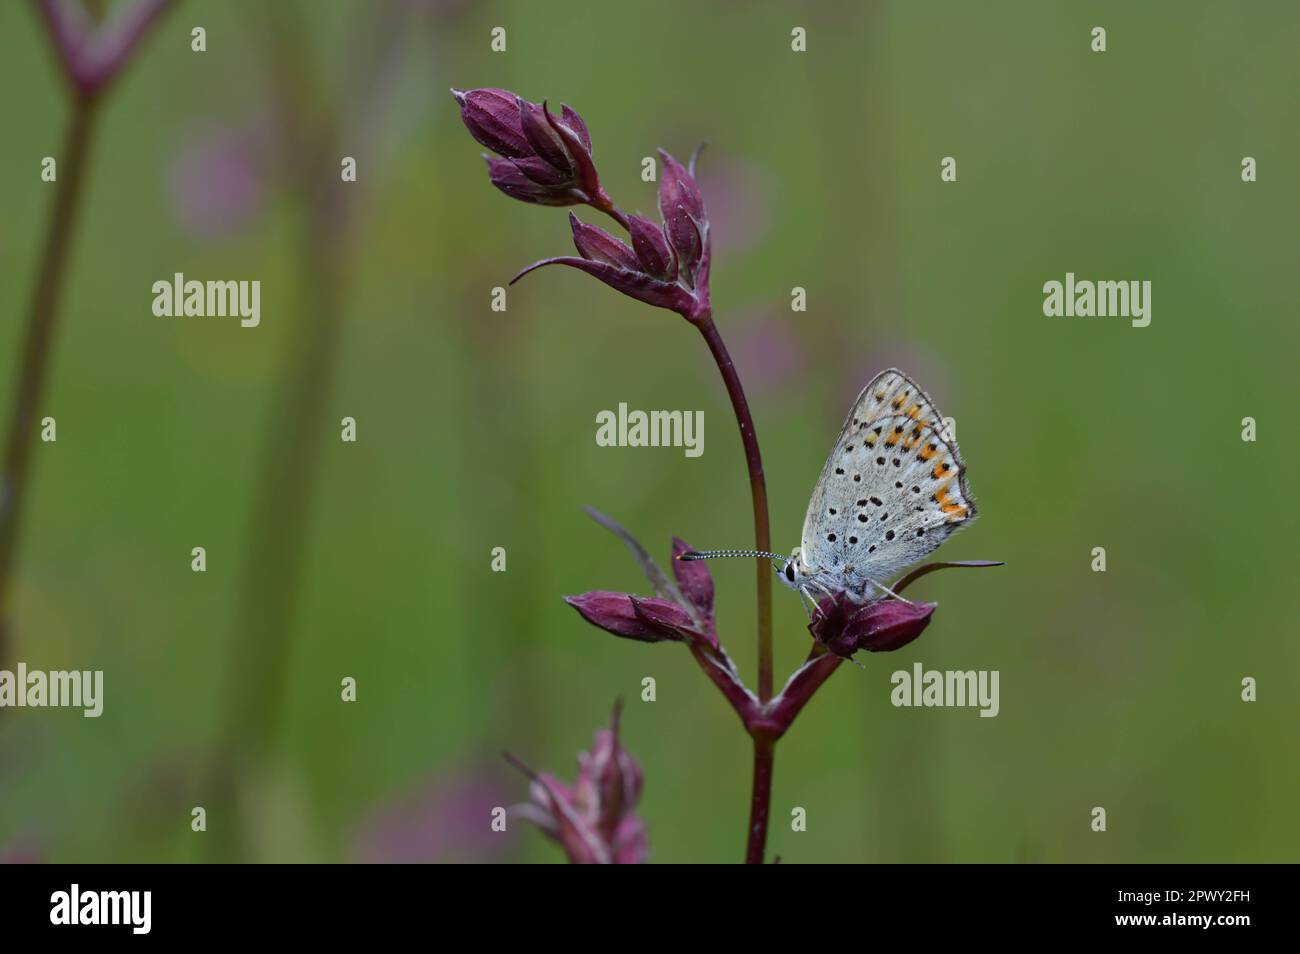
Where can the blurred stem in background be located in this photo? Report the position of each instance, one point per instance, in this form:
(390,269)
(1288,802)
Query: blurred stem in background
(23,419)
(89,58)
(309,139)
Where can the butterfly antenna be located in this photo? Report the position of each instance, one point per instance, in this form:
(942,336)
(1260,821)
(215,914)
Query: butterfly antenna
(711,554)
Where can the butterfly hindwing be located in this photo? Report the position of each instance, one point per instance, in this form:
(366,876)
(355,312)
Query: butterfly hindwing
(892,490)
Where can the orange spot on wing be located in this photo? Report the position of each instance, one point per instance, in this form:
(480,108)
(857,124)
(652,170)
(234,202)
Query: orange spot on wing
(928,452)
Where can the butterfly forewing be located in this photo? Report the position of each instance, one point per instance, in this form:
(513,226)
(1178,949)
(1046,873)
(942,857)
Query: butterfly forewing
(892,490)
(893,392)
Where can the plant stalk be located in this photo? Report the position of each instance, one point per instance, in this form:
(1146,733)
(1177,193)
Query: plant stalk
(764,747)
(760,802)
(604,203)
(758,492)
(41,325)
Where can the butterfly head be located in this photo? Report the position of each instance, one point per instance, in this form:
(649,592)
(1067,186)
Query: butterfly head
(793,572)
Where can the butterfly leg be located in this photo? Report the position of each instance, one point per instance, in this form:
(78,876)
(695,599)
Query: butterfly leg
(824,588)
(891,592)
(808,603)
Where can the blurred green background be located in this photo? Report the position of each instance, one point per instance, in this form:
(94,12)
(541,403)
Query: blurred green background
(476,429)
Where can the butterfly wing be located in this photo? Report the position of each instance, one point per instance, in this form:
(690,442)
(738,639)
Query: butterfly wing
(893,392)
(892,490)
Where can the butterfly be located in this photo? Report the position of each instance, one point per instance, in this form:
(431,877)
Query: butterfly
(893,489)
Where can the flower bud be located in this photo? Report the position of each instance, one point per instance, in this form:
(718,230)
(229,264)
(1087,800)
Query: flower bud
(682,210)
(492,118)
(646,619)
(545,160)
(886,625)
(507,176)
(597,245)
(545,141)
(595,820)
(609,781)
(652,249)
(844,627)
(694,580)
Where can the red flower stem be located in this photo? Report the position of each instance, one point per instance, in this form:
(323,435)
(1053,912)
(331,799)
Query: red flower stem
(41,324)
(803,684)
(604,203)
(758,491)
(723,675)
(760,800)
(764,744)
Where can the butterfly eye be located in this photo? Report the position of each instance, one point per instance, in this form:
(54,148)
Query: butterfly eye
(789,571)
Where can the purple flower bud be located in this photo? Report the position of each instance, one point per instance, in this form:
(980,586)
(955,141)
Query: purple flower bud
(506,176)
(679,189)
(844,627)
(574,122)
(547,161)
(553,811)
(652,248)
(881,626)
(672,620)
(682,210)
(829,621)
(886,625)
(595,821)
(545,174)
(609,781)
(694,580)
(646,619)
(543,138)
(597,245)
(551,157)
(492,118)
(636,285)
(579,148)
(630,845)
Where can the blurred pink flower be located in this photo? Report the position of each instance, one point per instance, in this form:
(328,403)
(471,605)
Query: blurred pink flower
(21,851)
(218,179)
(738,206)
(446,819)
(767,352)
